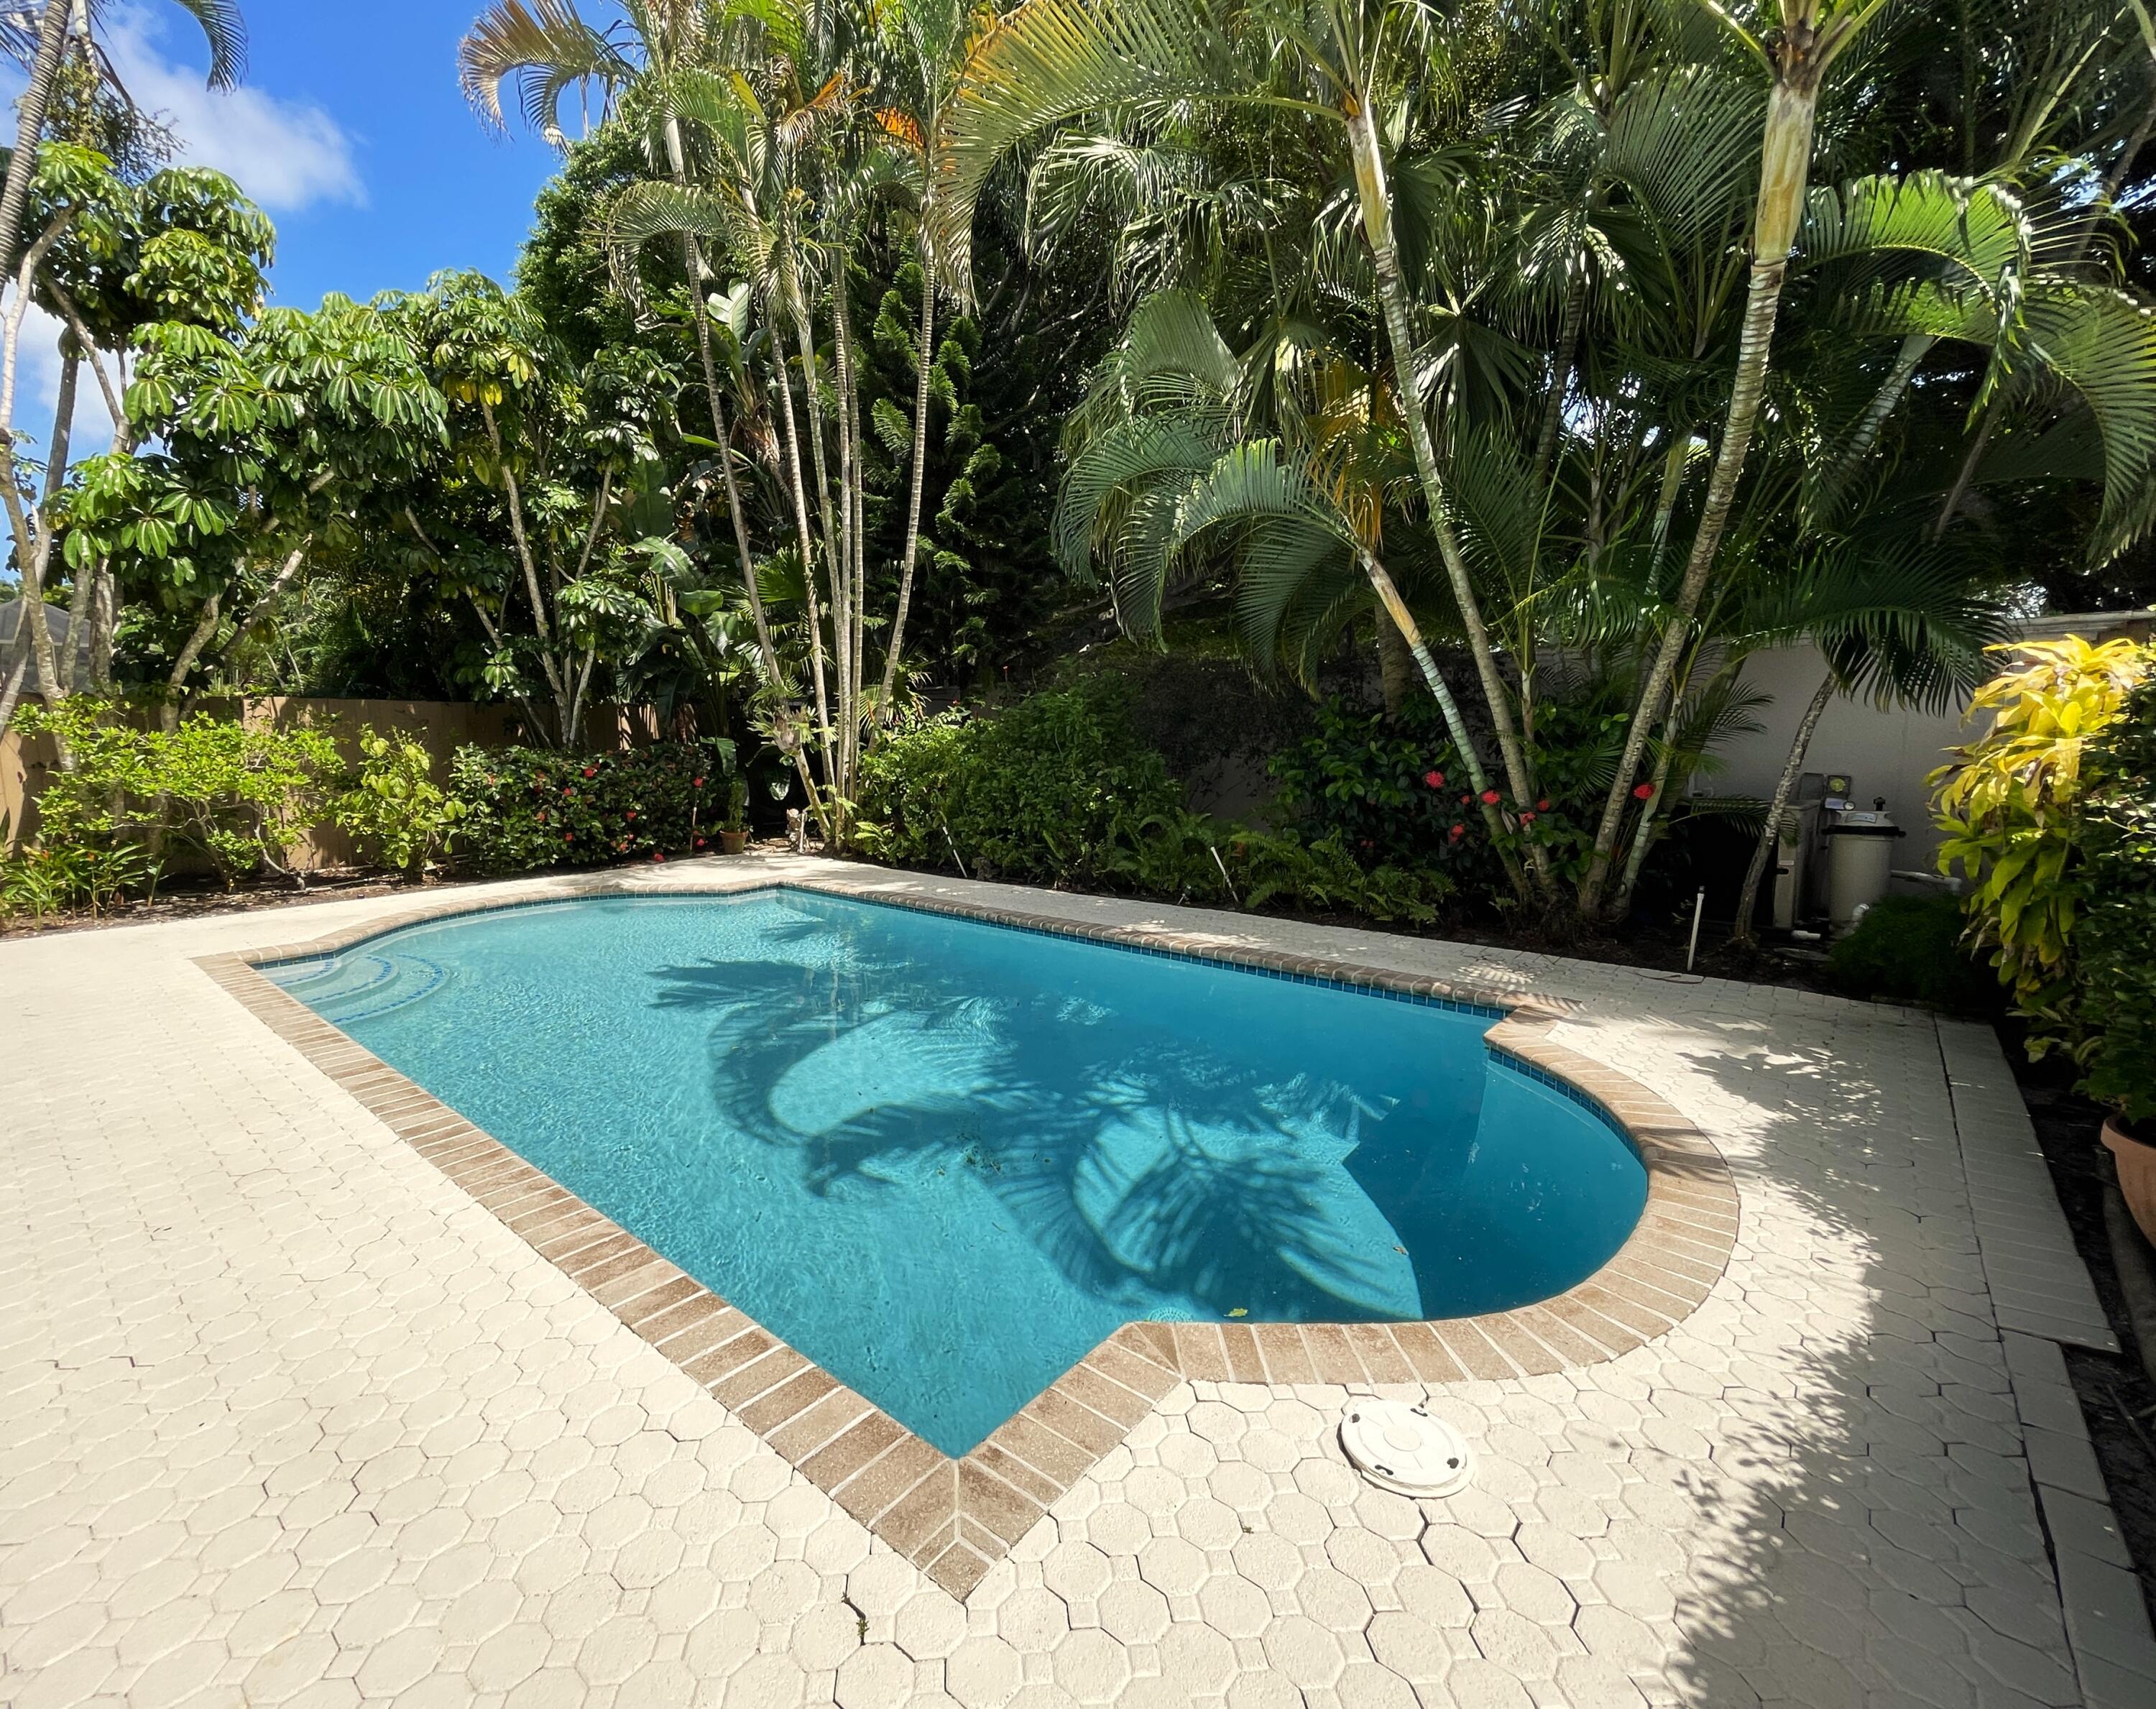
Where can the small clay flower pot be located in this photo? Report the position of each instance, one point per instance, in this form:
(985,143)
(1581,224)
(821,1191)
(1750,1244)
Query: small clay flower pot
(733,842)
(2136,1158)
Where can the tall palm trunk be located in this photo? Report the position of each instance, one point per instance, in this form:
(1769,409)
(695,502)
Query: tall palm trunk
(854,520)
(1785,785)
(557,680)
(1463,740)
(692,255)
(924,359)
(30,121)
(1568,348)
(1784,169)
(1377,210)
(1864,433)
(814,610)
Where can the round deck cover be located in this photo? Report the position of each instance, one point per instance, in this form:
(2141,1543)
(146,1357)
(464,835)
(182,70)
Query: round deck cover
(1402,1448)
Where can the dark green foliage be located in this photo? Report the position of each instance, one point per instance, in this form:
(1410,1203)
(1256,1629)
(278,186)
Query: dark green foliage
(987,582)
(1059,790)
(1042,792)
(2116,936)
(565,270)
(1909,949)
(528,809)
(1366,778)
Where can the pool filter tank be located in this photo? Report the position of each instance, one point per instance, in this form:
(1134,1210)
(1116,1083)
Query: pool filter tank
(1860,857)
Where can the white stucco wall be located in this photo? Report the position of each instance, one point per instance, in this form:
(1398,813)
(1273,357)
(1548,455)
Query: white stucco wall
(1884,751)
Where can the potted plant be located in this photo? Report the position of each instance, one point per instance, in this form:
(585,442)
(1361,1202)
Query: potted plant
(733,828)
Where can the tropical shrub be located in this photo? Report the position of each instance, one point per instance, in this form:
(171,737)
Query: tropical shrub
(524,808)
(1056,789)
(235,796)
(395,808)
(1910,949)
(1390,788)
(2115,940)
(1059,790)
(2010,805)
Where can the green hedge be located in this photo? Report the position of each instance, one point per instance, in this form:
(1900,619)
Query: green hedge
(526,808)
(1911,949)
(1059,790)
(2115,938)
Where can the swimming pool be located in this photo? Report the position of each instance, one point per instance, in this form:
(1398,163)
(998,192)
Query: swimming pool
(944,1158)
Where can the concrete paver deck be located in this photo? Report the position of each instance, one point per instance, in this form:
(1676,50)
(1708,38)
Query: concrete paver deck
(286,1417)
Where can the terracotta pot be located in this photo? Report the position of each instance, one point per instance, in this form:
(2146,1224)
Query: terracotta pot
(733,842)
(2137,1173)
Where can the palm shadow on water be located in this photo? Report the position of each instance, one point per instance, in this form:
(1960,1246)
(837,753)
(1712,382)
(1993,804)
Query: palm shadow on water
(1142,1169)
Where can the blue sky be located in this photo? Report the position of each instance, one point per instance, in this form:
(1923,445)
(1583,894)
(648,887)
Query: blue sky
(351,132)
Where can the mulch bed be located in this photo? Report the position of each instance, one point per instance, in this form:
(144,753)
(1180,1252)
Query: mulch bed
(2118,1397)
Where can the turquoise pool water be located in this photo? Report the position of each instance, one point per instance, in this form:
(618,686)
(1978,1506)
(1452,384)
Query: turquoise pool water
(944,1158)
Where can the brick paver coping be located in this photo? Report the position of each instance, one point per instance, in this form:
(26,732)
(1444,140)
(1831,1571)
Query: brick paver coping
(955,1518)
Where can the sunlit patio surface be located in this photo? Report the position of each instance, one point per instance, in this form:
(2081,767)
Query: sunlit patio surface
(288,1416)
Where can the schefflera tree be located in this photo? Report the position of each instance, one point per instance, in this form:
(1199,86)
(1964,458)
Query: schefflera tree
(261,444)
(124,266)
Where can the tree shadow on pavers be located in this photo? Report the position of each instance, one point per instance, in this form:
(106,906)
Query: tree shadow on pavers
(1871,1535)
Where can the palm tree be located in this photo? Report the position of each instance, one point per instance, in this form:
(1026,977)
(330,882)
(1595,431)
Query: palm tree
(544,50)
(1339,62)
(39,40)
(1799,43)
(1903,625)
(934,36)
(1167,479)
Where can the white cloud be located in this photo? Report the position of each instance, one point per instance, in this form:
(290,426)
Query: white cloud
(286,155)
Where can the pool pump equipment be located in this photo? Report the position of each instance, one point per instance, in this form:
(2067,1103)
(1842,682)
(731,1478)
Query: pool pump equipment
(1403,1449)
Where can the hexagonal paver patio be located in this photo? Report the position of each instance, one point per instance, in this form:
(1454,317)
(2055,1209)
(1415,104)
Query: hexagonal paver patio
(286,1416)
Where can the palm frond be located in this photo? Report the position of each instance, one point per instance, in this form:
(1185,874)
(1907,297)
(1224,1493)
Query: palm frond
(543,49)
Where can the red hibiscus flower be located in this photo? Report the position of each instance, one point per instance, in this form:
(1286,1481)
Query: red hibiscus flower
(1491,798)
(696,782)
(656,855)
(1458,832)
(1527,818)
(1435,779)
(590,772)
(1643,792)
(1542,806)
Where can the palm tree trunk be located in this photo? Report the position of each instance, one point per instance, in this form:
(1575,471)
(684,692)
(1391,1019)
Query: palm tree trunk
(1865,434)
(1395,666)
(1747,900)
(854,495)
(545,630)
(924,360)
(1463,740)
(30,124)
(692,256)
(1784,169)
(815,615)
(1568,346)
(852,521)
(55,682)
(1392,297)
